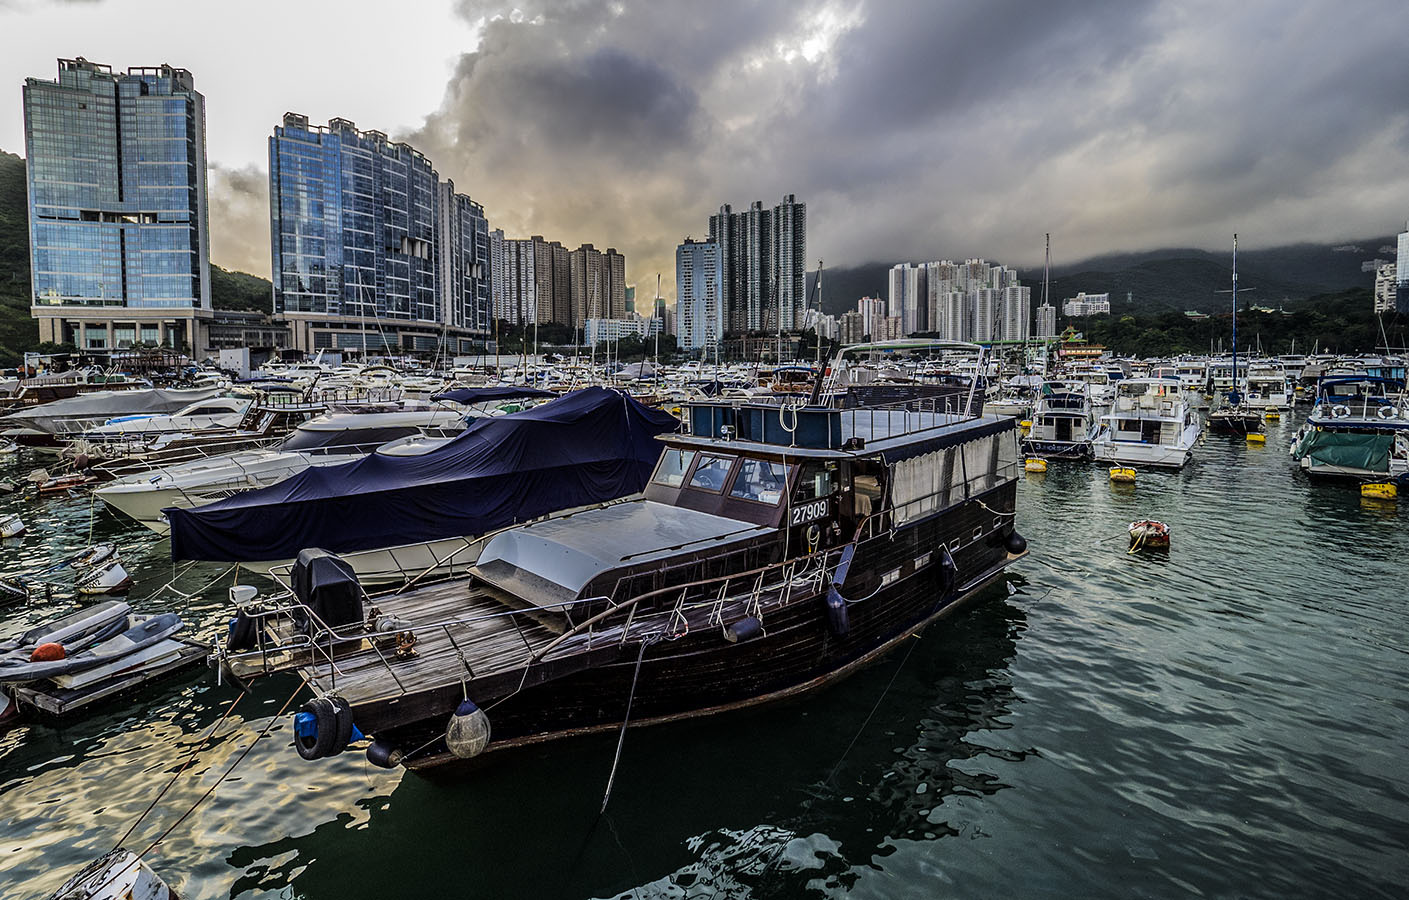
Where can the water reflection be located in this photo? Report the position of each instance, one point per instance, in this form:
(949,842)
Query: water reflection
(685,813)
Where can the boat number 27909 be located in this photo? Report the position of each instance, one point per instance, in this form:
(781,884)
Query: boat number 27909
(808,512)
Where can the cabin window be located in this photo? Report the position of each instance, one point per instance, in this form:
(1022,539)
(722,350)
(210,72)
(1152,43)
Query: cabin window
(673,465)
(760,481)
(711,473)
(819,479)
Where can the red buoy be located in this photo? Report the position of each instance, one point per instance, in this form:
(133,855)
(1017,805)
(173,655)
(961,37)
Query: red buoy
(49,652)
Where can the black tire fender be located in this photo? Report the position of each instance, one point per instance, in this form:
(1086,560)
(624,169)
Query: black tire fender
(324,730)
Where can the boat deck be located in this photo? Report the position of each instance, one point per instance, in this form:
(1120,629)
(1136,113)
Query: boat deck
(455,626)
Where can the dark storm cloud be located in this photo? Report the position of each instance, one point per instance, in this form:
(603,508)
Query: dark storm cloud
(918,130)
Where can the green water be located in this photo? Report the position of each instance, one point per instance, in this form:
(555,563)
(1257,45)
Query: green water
(1226,720)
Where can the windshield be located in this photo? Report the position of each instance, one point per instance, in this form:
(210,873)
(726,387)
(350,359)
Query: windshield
(673,466)
(760,481)
(712,472)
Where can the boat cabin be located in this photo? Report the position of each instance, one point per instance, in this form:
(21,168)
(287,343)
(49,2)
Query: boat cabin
(751,486)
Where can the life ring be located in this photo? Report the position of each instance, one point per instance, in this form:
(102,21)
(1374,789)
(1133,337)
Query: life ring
(1340,411)
(1388,412)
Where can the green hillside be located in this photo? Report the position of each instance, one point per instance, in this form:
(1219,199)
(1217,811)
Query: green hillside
(19,332)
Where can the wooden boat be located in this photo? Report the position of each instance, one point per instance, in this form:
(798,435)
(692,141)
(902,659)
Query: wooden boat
(1149,535)
(773,551)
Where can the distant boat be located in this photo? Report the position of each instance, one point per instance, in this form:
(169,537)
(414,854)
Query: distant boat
(1359,428)
(1150,424)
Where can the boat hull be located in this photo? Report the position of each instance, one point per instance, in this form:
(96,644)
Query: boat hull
(901,584)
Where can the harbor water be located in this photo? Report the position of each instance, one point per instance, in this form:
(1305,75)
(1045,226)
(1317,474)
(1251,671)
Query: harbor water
(1228,719)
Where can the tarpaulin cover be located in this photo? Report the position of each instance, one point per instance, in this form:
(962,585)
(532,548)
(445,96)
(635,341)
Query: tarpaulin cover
(327,586)
(1347,449)
(586,447)
(488,394)
(65,415)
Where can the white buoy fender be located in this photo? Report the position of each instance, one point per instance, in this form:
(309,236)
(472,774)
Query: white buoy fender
(467,734)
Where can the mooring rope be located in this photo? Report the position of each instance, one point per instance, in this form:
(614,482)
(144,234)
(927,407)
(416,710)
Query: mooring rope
(190,758)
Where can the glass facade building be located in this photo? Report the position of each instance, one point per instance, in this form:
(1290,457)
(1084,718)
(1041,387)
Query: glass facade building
(357,245)
(119,239)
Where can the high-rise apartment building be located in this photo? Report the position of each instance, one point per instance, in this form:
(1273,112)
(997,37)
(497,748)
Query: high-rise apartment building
(699,316)
(118,232)
(969,301)
(1402,289)
(614,270)
(462,252)
(909,296)
(353,229)
(588,281)
(1046,321)
(763,256)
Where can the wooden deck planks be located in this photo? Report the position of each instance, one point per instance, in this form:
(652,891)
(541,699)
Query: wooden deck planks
(488,645)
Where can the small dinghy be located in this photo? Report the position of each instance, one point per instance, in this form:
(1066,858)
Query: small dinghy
(7,447)
(74,631)
(118,875)
(105,578)
(8,487)
(11,526)
(1149,535)
(51,659)
(95,555)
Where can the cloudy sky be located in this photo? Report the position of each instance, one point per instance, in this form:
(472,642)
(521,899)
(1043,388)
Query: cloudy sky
(913,130)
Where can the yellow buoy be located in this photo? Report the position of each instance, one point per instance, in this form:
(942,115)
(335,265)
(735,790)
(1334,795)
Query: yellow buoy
(1256,438)
(1273,416)
(1379,491)
(1035,465)
(1122,476)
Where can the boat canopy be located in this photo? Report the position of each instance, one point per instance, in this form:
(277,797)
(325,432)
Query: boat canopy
(469,396)
(57,417)
(589,446)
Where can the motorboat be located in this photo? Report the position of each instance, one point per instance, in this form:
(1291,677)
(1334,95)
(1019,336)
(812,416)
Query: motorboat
(322,441)
(143,632)
(214,413)
(1150,424)
(1064,423)
(1359,428)
(763,560)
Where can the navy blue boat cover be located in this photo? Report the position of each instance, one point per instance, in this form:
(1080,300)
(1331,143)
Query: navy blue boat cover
(486,394)
(586,447)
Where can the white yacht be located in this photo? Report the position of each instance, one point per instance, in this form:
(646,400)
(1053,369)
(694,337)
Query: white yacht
(1150,424)
(1267,389)
(214,413)
(325,440)
(1064,423)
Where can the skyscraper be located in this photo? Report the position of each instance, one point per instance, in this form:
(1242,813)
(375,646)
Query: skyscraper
(118,234)
(763,258)
(698,275)
(354,239)
(1402,261)
(614,270)
(589,284)
(462,252)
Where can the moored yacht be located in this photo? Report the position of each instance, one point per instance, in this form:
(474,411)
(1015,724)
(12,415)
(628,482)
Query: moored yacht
(325,440)
(1150,424)
(1063,422)
(1359,428)
(773,551)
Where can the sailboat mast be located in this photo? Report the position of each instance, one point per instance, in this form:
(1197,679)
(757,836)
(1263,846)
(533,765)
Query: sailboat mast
(1234,396)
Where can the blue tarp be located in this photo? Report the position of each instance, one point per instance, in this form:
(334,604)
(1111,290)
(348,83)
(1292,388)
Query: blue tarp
(588,446)
(486,394)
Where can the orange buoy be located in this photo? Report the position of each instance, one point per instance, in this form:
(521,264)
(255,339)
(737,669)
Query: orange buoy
(50,652)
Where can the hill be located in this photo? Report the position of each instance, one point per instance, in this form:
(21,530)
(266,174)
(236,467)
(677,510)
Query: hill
(19,332)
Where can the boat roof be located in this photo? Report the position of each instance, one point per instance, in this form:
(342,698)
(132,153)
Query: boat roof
(866,431)
(551,561)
